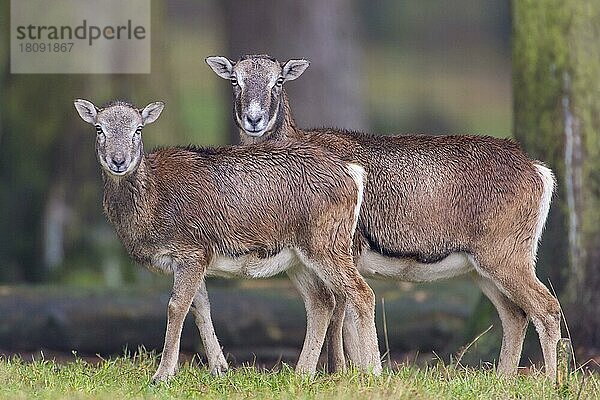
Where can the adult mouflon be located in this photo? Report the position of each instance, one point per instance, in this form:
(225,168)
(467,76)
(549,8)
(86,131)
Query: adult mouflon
(434,206)
(248,211)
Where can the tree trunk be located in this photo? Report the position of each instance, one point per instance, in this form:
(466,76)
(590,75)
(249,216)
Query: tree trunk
(556,67)
(324,32)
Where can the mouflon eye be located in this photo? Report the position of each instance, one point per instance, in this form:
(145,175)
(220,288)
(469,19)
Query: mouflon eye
(279,81)
(234,81)
(99,130)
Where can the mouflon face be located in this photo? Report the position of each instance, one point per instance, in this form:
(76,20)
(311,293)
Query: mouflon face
(257,82)
(118,126)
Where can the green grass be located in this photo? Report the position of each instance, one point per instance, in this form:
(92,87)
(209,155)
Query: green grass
(129,377)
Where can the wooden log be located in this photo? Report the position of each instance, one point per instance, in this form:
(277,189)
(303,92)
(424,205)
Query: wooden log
(259,320)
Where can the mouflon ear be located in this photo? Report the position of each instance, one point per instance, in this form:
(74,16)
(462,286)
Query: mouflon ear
(293,69)
(221,65)
(87,110)
(151,112)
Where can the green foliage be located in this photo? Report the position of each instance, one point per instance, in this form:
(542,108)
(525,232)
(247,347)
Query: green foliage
(46,151)
(129,377)
(408,92)
(427,24)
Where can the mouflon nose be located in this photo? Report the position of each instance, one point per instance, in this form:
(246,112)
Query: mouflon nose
(253,120)
(118,160)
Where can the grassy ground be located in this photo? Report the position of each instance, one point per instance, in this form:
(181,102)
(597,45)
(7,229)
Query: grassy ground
(129,377)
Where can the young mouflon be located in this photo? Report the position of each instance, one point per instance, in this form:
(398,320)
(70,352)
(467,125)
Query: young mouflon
(246,211)
(434,206)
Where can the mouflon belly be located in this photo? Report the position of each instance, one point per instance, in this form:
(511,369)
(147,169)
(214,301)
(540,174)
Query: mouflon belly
(251,265)
(375,265)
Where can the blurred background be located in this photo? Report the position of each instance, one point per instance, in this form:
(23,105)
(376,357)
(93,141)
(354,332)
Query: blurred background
(386,67)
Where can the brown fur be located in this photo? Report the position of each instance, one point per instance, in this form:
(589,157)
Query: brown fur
(185,210)
(227,201)
(429,198)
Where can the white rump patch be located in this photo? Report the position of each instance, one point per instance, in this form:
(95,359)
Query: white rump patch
(357,172)
(549,183)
